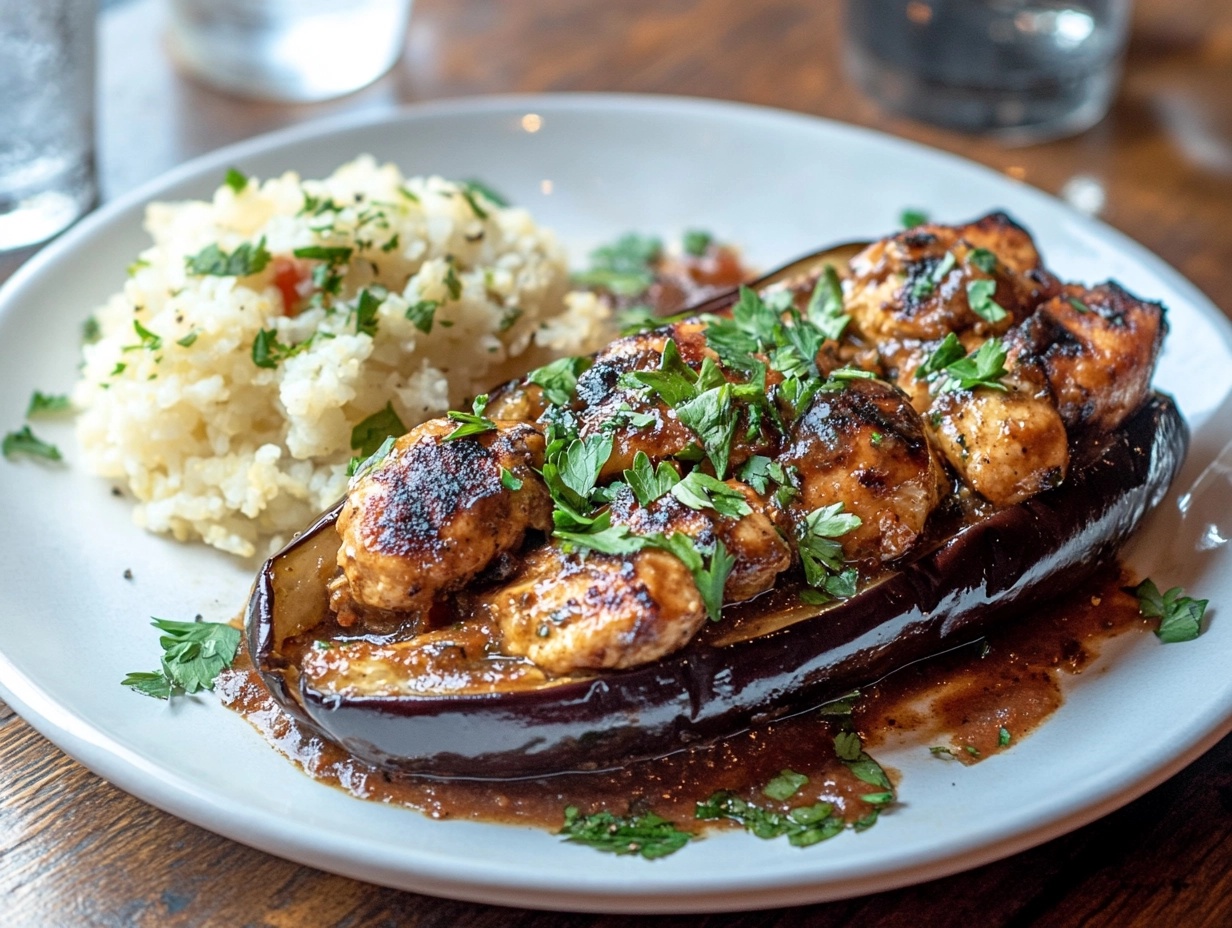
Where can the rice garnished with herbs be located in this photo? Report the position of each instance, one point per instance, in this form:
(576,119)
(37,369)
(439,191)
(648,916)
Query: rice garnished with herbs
(272,335)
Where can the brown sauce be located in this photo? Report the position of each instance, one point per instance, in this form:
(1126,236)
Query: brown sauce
(961,701)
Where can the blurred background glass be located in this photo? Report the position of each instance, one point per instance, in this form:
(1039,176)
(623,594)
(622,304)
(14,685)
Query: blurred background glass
(47,176)
(289,50)
(1025,70)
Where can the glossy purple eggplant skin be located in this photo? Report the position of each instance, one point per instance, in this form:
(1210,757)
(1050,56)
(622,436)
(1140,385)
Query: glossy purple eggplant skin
(949,596)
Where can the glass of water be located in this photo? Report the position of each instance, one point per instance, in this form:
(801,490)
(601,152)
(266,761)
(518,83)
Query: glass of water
(47,175)
(1024,70)
(289,50)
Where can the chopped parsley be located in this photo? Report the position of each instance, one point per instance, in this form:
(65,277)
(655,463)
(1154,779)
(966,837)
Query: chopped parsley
(647,835)
(1078,305)
(648,483)
(509,480)
(44,404)
(212,261)
(1004,737)
(473,422)
(983,259)
(91,331)
(366,308)
(149,341)
(188,340)
(821,555)
(950,368)
(24,441)
(910,218)
(1180,616)
(559,379)
(802,826)
(825,305)
(695,242)
(928,283)
(980,299)
(625,267)
(785,785)
(236,180)
(359,466)
(452,283)
(422,313)
(699,491)
(269,352)
(194,654)
(474,187)
(331,254)
(368,436)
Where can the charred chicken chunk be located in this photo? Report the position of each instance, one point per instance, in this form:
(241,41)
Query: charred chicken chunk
(1006,444)
(753,539)
(1098,348)
(608,402)
(436,512)
(864,446)
(591,611)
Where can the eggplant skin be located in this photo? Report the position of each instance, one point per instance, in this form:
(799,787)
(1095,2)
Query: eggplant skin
(989,570)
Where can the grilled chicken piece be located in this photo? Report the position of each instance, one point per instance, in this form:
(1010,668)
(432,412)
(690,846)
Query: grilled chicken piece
(1098,348)
(864,446)
(592,611)
(603,399)
(1007,444)
(435,513)
(909,291)
(753,540)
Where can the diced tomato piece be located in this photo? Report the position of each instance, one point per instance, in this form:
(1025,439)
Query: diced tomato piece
(293,278)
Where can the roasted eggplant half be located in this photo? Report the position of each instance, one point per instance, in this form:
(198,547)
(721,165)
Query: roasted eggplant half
(954,518)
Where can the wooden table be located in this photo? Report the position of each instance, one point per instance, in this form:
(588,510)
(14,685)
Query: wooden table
(76,851)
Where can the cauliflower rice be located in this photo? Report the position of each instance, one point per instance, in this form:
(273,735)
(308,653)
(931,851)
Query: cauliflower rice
(232,416)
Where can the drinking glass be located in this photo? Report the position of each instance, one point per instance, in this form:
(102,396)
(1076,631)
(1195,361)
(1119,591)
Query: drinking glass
(1025,70)
(47,175)
(288,50)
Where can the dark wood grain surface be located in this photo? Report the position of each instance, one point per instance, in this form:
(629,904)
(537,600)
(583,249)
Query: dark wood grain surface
(76,851)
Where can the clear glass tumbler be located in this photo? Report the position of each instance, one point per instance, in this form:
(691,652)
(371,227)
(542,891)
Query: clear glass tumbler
(290,50)
(47,175)
(1024,70)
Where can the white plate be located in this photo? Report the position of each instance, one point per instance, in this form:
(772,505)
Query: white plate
(599,165)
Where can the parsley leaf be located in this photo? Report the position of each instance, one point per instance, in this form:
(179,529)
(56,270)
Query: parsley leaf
(359,467)
(699,491)
(559,379)
(473,202)
(269,352)
(820,554)
(212,261)
(695,242)
(366,308)
(26,442)
(1004,737)
(368,436)
(803,826)
(149,340)
(825,306)
(983,259)
(422,313)
(647,482)
(756,472)
(475,186)
(785,785)
(582,461)
(509,480)
(43,404)
(949,368)
(712,417)
(330,254)
(626,267)
(194,653)
(979,298)
(236,180)
(910,218)
(1180,616)
(648,835)
(473,422)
